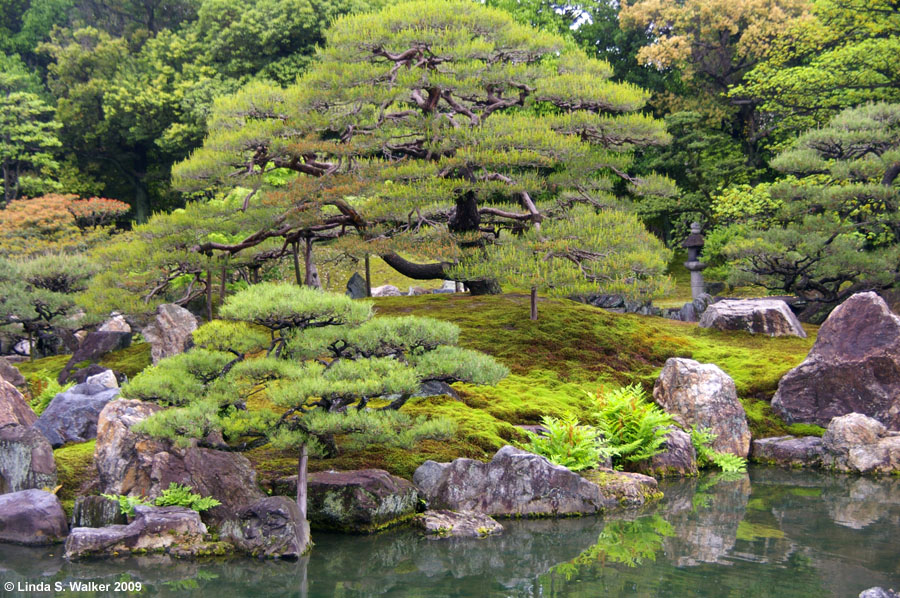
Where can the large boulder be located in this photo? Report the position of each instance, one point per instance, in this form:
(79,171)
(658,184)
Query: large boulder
(513,483)
(449,524)
(32,517)
(860,444)
(72,415)
(136,464)
(677,459)
(272,528)
(13,408)
(758,316)
(94,346)
(854,367)
(170,332)
(26,460)
(788,451)
(702,395)
(153,528)
(115,323)
(359,501)
(386,290)
(11,373)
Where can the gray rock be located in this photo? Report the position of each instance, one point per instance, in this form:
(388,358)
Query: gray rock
(96,511)
(106,378)
(702,395)
(359,501)
(270,528)
(135,464)
(878,593)
(72,415)
(356,287)
(677,459)
(623,488)
(447,524)
(26,460)
(788,451)
(447,287)
(94,346)
(153,528)
(116,323)
(416,291)
(10,373)
(759,316)
(860,444)
(386,290)
(32,517)
(23,347)
(854,367)
(13,408)
(514,482)
(170,332)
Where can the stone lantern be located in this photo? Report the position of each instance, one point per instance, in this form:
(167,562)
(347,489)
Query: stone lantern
(694,244)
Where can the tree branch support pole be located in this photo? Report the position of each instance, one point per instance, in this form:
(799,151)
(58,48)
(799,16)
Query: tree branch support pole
(295,249)
(368,277)
(209,292)
(223,281)
(308,263)
(534,303)
(301,480)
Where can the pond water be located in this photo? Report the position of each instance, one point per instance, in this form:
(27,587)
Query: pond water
(770,533)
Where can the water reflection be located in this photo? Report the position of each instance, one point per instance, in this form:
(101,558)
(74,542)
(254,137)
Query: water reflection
(772,533)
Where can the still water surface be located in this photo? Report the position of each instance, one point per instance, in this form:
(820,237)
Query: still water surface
(771,533)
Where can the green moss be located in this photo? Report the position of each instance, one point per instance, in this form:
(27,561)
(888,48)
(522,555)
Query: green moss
(765,423)
(754,531)
(130,361)
(814,492)
(74,465)
(50,366)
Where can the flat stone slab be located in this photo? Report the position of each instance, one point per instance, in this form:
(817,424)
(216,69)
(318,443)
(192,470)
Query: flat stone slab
(758,316)
(447,524)
(788,451)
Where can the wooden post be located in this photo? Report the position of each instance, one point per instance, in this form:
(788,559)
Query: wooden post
(308,263)
(534,303)
(295,246)
(209,284)
(222,284)
(301,480)
(368,278)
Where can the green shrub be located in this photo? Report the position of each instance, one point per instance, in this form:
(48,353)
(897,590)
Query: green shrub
(176,495)
(633,427)
(569,444)
(702,440)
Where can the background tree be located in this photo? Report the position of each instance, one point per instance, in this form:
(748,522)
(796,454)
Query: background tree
(329,368)
(840,56)
(831,228)
(27,140)
(443,140)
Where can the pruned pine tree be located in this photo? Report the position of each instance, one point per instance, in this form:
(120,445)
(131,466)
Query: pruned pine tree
(432,128)
(835,229)
(322,360)
(585,251)
(38,295)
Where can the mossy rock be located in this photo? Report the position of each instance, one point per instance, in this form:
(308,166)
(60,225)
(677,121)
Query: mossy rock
(361,501)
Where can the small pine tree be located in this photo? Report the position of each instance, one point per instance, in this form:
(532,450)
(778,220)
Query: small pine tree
(322,360)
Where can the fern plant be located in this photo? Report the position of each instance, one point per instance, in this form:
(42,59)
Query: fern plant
(702,440)
(569,444)
(632,426)
(176,495)
(44,388)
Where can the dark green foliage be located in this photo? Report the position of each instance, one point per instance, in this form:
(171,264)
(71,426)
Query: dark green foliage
(176,495)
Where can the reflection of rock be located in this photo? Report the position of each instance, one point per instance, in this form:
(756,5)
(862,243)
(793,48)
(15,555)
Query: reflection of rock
(706,530)
(861,502)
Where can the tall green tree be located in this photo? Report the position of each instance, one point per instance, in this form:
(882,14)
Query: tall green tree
(832,227)
(433,127)
(27,140)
